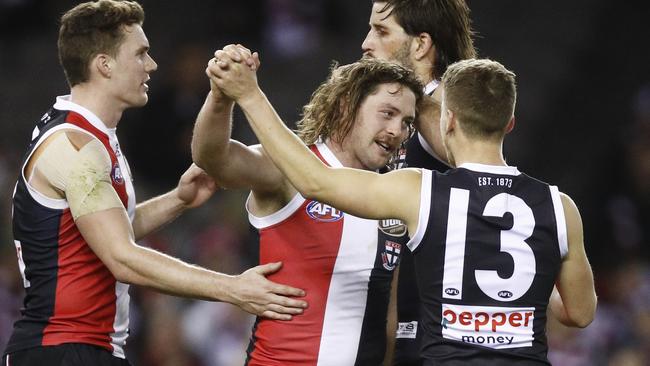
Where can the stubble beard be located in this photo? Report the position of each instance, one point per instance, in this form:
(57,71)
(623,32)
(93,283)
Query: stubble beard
(402,56)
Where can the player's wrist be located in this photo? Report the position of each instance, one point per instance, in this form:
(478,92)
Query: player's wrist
(251,99)
(220,100)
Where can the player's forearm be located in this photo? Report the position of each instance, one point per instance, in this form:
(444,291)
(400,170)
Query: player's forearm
(156,212)
(303,169)
(212,132)
(579,315)
(147,267)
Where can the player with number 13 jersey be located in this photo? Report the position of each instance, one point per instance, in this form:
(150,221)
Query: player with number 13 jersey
(486,269)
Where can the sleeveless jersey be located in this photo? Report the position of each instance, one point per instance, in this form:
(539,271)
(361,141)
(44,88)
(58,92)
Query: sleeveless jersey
(487,250)
(345,264)
(71,296)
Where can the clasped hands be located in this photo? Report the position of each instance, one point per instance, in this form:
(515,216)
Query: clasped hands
(232,72)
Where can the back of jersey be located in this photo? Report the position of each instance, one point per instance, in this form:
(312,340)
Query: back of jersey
(487,252)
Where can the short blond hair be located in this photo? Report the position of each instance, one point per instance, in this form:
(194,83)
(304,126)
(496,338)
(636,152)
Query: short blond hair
(482,93)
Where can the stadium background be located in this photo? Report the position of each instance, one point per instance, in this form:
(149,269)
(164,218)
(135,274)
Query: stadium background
(583,123)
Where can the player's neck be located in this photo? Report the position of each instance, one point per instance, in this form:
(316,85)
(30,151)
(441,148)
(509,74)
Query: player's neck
(423,72)
(344,155)
(487,153)
(96,101)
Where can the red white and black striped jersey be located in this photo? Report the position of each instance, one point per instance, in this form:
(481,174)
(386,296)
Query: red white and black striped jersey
(71,296)
(345,264)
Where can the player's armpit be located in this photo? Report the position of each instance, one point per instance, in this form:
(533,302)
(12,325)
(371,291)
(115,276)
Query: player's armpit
(81,172)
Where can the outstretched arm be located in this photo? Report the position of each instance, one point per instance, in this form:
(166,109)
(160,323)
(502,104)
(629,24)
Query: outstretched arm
(361,193)
(573,301)
(109,235)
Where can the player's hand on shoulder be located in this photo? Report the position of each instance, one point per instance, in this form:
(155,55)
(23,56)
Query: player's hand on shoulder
(257,295)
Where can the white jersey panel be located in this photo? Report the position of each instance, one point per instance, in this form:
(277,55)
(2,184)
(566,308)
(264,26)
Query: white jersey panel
(348,292)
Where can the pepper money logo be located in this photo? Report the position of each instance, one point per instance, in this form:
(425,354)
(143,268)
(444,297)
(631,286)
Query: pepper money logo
(488,326)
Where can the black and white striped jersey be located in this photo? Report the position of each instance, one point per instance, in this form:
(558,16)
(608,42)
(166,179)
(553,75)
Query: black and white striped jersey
(487,250)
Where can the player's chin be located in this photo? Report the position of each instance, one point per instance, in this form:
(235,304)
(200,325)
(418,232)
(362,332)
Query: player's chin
(379,162)
(142,100)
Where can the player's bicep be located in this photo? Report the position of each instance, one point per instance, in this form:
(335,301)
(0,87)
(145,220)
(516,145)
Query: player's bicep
(248,167)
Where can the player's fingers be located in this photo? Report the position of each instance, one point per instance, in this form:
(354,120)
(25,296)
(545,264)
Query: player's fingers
(236,52)
(295,305)
(269,268)
(215,66)
(227,56)
(275,316)
(286,290)
(253,61)
(276,308)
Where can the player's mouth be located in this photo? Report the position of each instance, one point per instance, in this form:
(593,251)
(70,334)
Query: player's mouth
(387,147)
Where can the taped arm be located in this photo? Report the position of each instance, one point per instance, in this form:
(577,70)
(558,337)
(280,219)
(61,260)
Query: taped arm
(81,170)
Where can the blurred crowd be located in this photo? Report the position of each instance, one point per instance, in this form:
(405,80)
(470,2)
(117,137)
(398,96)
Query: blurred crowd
(583,123)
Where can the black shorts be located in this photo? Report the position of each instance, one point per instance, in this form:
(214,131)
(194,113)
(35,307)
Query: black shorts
(69,354)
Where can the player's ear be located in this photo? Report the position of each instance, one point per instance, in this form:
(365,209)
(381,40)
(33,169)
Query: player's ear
(510,125)
(423,46)
(102,64)
(451,121)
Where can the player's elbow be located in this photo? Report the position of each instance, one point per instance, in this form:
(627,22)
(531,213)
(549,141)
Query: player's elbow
(199,157)
(581,321)
(583,316)
(311,188)
(119,264)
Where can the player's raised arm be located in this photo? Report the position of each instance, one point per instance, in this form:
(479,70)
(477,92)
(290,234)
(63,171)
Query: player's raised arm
(230,162)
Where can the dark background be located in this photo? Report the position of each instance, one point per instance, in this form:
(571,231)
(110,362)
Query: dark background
(583,123)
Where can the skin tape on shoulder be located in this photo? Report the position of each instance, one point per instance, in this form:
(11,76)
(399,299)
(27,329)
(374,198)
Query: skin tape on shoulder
(84,174)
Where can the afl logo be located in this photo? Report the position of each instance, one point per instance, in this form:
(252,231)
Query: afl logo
(322,212)
(505,294)
(392,227)
(116,174)
(451,291)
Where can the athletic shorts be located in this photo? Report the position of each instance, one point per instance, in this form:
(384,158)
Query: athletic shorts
(68,354)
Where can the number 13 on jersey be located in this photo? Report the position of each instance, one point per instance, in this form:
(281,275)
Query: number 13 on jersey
(512,242)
